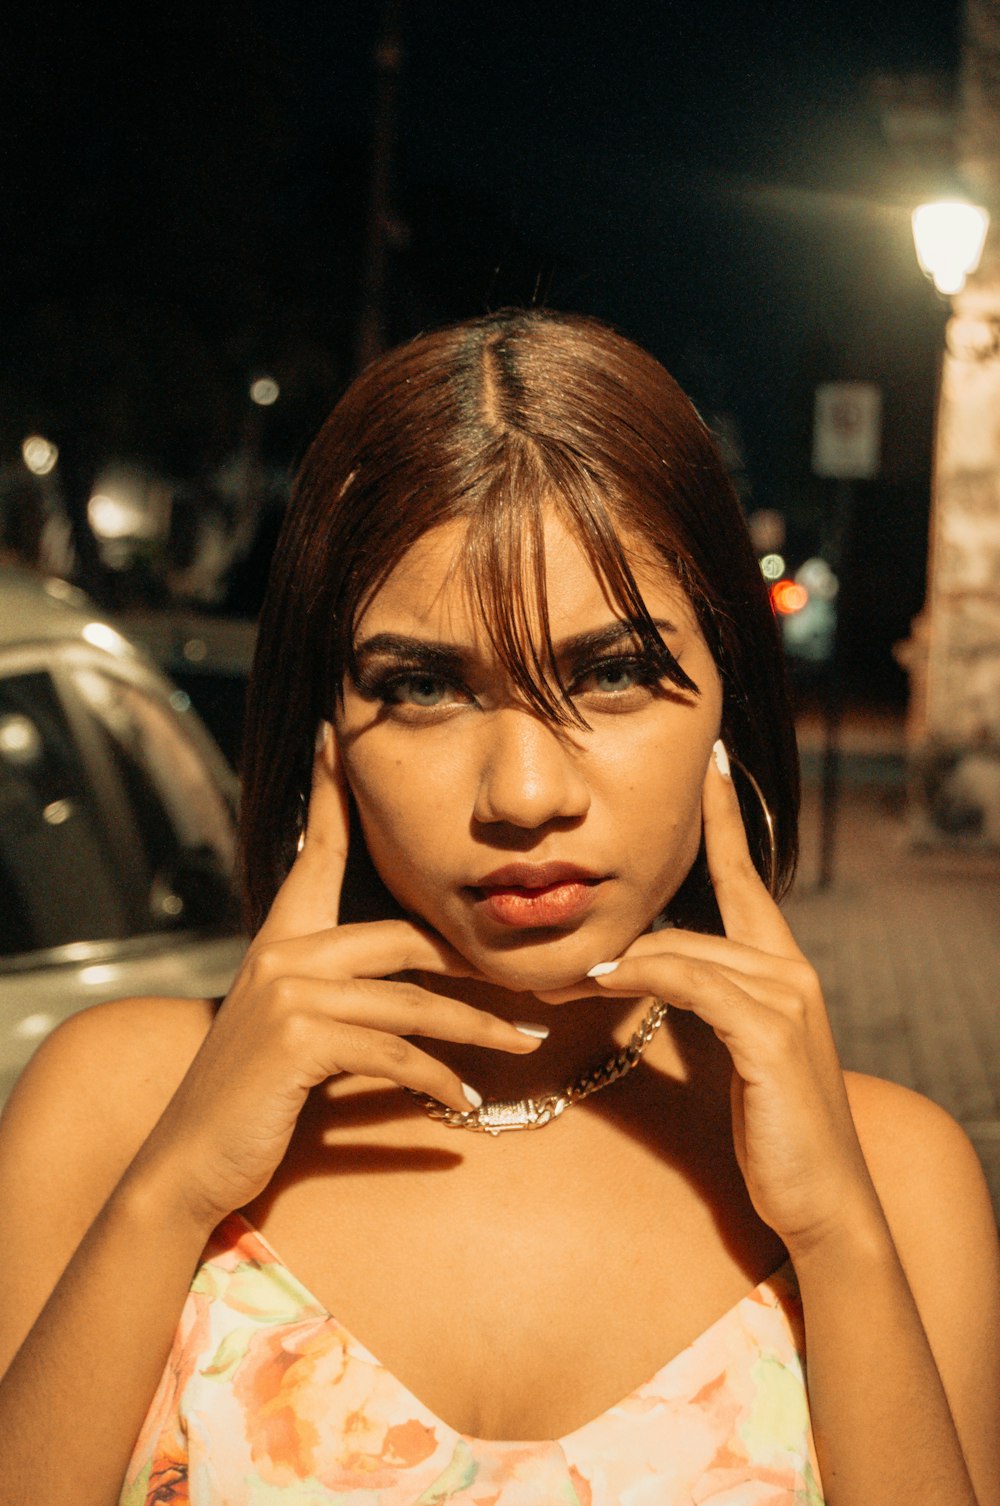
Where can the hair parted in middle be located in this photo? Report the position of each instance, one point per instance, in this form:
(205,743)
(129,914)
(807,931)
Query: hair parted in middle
(491,421)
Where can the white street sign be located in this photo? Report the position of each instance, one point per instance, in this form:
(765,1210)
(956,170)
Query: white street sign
(847,432)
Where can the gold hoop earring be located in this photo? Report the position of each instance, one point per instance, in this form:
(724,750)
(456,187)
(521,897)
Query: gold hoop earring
(772,843)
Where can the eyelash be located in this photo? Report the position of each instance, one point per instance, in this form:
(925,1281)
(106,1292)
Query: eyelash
(385,687)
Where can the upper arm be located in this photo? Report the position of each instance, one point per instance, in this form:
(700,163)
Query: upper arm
(937,1203)
(79,1112)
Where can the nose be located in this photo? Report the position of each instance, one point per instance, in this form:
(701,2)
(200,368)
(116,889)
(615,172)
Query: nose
(531,771)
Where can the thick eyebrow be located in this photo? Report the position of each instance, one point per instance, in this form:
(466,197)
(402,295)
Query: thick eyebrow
(448,656)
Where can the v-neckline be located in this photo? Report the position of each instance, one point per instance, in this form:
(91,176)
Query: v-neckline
(783,1275)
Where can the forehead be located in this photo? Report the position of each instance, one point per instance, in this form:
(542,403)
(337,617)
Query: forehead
(431,586)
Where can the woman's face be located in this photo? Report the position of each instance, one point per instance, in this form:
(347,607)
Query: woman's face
(456,778)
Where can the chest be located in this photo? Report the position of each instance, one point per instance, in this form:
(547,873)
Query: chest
(515,1307)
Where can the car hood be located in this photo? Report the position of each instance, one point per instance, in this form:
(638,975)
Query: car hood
(34,1001)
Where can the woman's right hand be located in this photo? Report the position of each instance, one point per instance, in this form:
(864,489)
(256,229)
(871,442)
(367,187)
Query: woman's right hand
(311,999)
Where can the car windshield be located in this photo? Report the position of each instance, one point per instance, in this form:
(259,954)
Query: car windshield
(111,826)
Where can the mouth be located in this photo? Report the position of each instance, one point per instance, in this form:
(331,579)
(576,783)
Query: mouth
(536,894)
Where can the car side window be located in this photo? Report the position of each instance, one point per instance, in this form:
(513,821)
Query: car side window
(57,877)
(182,841)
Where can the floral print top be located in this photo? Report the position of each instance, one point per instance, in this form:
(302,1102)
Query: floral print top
(267,1400)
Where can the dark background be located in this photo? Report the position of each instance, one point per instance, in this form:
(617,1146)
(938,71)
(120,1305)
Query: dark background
(185,203)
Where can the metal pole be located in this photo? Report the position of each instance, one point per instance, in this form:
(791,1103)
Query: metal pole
(837,552)
(388,64)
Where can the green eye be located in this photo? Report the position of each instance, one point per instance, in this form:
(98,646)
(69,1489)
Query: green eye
(419,690)
(617,677)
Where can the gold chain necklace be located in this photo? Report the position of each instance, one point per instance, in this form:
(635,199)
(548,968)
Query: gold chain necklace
(532,1113)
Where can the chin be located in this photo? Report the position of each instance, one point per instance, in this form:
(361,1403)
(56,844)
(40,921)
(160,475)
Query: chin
(541,966)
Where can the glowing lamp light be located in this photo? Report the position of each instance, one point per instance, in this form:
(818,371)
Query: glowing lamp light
(111,517)
(772,566)
(264,391)
(104,637)
(949,236)
(39,454)
(787,597)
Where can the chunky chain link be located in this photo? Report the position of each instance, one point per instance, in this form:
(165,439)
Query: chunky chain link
(532,1113)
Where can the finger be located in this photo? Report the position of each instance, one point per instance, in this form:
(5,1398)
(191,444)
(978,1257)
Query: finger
(309,899)
(374,1053)
(370,949)
(765,988)
(721,949)
(748,912)
(790,974)
(751,1028)
(685,973)
(406,1009)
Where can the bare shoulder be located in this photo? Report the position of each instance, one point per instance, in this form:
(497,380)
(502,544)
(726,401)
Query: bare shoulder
(936,1199)
(920,1158)
(78,1113)
(937,1203)
(926,1171)
(123,1058)
(92,1092)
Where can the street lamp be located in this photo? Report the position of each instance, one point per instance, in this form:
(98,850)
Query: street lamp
(949,236)
(953,654)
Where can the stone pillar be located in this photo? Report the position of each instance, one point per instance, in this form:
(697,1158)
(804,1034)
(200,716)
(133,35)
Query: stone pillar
(954,654)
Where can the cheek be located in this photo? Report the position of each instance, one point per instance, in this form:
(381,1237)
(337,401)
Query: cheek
(658,808)
(667,833)
(403,815)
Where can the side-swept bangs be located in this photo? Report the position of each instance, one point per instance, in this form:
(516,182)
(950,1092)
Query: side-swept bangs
(502,560)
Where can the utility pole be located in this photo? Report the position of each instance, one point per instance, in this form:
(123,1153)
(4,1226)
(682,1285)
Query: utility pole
(954,653)
(383,230)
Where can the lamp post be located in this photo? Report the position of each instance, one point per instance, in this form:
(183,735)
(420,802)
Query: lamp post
(953,655)
(949,236)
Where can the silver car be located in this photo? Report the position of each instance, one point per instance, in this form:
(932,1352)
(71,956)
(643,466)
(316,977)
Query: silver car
(116,823)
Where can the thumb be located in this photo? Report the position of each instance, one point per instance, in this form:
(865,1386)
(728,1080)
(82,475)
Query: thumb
(309,899)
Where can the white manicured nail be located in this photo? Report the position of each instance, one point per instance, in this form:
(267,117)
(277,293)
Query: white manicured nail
(322,733)
(721,758)
(474,1098)
(540,1032)
(601,969)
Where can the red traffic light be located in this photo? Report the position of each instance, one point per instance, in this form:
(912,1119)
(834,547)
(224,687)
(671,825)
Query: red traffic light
(787,596)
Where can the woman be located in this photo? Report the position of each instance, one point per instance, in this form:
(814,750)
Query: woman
(515,652)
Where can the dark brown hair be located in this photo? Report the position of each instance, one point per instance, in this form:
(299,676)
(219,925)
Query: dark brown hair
(489,420)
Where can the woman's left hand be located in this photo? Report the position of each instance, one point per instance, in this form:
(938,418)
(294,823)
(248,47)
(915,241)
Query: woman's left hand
(793,1132)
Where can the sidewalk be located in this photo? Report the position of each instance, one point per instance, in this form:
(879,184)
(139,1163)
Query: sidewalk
(907,943)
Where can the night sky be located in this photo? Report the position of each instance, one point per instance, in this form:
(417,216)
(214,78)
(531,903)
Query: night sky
(185,198)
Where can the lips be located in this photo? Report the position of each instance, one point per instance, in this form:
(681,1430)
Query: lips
(536,894)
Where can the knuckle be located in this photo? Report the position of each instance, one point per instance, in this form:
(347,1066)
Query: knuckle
(414,997)
(263,964)
(796,1009)
(806,981)
(283,994)
(694,973)
(295,1027)
(394,1050)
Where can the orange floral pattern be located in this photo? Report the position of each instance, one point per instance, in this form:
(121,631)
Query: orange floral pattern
(267,1400)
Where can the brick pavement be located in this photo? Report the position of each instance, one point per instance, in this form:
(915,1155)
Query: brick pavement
(907,944)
